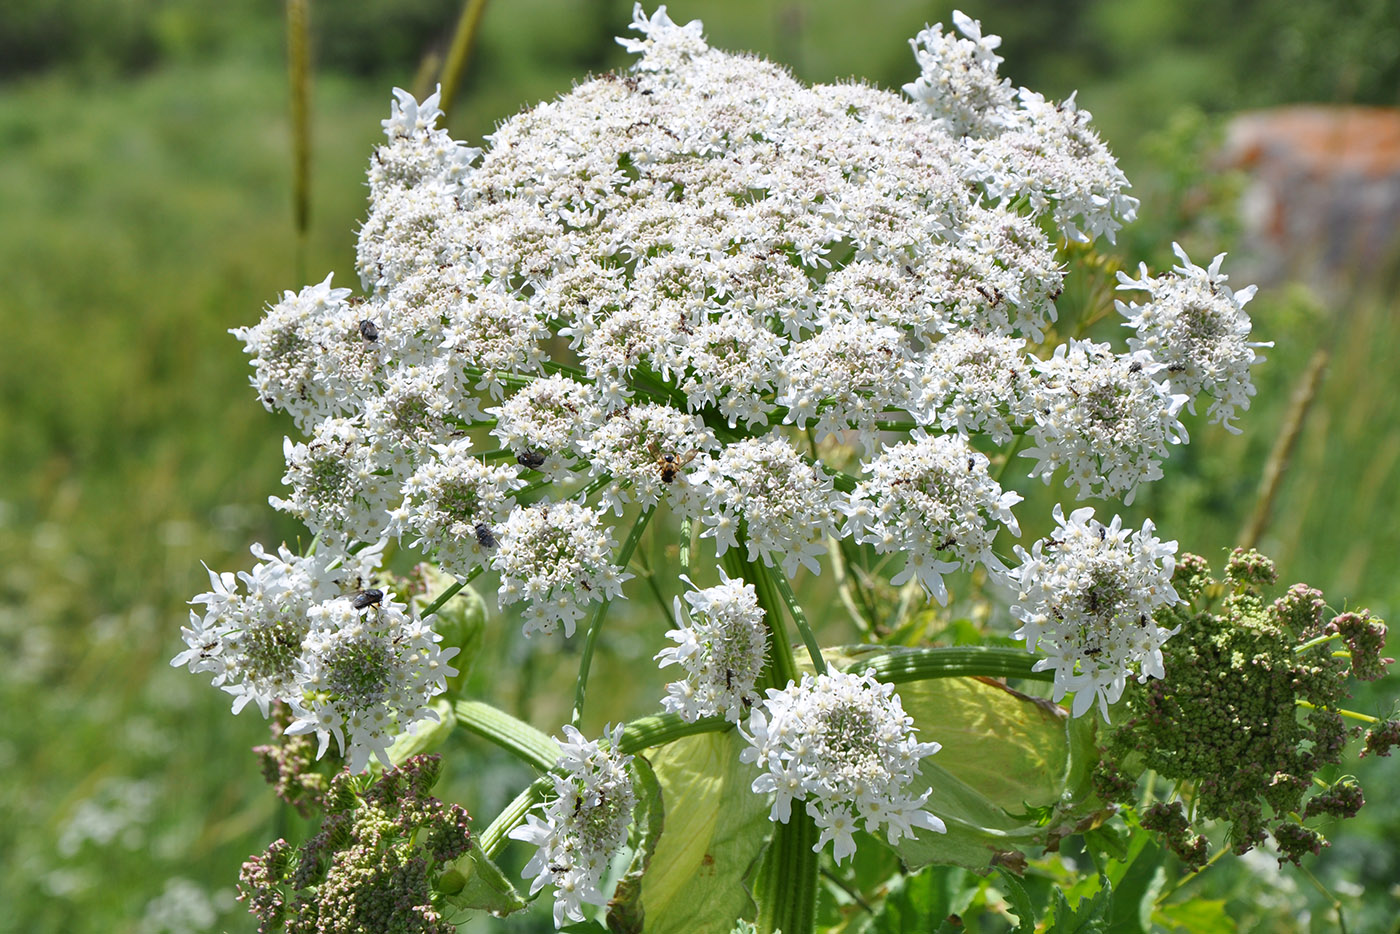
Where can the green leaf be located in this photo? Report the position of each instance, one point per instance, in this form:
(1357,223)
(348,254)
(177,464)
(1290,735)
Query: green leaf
(1195,916)
(715,828)
(1086,916)
(1007,776)
(1020,902)
(475,881)
(625,914)
(924,901)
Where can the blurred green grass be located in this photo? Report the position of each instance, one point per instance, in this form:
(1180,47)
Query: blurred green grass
(146,203)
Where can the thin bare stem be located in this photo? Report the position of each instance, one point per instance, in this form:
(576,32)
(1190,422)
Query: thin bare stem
(299,83)
(459,55)
(1284,446)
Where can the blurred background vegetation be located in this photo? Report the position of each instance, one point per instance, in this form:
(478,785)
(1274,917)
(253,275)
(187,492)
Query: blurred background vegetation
(145,187)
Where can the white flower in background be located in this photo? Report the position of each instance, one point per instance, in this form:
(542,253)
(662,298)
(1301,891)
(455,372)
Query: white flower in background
(557,558)
(365,675)
(842,744)
(1103,418)
(1085,598)
(583,826)
(788,506)
(933,501)
(1196,327)
(722,649)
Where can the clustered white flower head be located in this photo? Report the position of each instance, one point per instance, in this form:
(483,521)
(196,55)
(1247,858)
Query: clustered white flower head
(722,649)
(1086,598)
(842,744)
(932,500)
(659,291)
(293,633)
(1196,327)
(584,824)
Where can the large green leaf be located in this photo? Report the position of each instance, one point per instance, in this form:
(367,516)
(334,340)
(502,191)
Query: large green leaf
(1013,771)
(714,830)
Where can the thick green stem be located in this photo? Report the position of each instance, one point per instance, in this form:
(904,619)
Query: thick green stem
(786,887)
(517,737)
(494,837)
(596,623)
(666,728)
(985,661)
(782,668)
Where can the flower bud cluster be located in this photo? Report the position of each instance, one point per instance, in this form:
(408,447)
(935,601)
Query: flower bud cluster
(1224,721)
(583,825)
(372,866)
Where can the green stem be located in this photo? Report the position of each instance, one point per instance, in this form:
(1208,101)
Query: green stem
(451,592)
(666,728)
(1172,890)
(459,55)
(1335,902)
(1351,714)
(596,623)
(786,887)
(1320,640)
(782,668)
(299,80)
(987,661)
(517,737)
(493,838)
(804,628)
(1010,453)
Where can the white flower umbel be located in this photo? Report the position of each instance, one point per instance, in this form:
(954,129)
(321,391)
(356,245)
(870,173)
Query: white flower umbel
(1196,327)
(1085,598)
(365,675)
(308,355)
(843,744)
(722,649)
(648,451)
(932,500)
(583,826)
(1102,417)
(788,506)
(454,503)
(342,481)
(557,558)
(975,383)
(544,422)
(959,85)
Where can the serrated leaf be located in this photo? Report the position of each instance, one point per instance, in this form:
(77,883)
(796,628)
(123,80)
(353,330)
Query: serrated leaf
(714,830)
(1086,917)
(1020,902)
(482,884)
(625,914)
